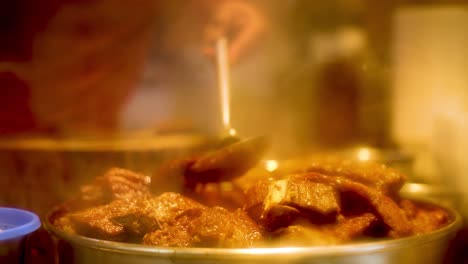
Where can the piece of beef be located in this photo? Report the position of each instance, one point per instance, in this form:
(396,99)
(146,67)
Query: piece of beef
(424,218)
(354,227)
(157,213)
(177,234)
(225,194)
(303,195)
(254,197)
(168,207)
(372,174)
(124,219)
(376,175)
(278,203)
(215,227)
(173,236)
(384,206)
(304,235)
(116,183)
(371,200)
(256,194)
(97,222)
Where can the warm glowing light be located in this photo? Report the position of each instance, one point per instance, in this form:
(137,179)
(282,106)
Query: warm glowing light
(415,188)
(232,132)
(364,154)
(223,82)
(271,165)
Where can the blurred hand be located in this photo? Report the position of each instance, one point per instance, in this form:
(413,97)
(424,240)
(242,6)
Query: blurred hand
(240,22)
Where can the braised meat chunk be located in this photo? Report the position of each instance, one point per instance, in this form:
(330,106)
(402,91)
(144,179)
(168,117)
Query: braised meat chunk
(167,220)
(379,176)
(169,207)
(123,219)
(354,227)
(97,222)
(375,175)
(365,199)
(302,194)
(218,227)
(384,207)
(179,235)
(200,202)
(424,217)
(214,227)
(304,235)
(279,203)
(116,183)
(344,230)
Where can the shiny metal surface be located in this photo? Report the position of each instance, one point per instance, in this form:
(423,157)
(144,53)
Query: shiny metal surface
(427,248)
(118,143)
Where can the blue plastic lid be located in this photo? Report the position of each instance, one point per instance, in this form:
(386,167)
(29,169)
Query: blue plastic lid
(15,223)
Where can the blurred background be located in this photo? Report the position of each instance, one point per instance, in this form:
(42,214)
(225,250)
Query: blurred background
(85,85)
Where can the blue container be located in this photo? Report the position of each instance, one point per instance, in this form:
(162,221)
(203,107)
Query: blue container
(15,226)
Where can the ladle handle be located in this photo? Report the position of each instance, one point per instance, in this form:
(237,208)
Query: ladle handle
(223,82)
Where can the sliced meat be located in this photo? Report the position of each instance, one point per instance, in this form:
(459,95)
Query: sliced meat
(178,234)
(256,194)
(254,197)
(424,218)
(375,201)
(303,195)
(379,176)
(354,227)
(279,216)
(384,206)
(116,183)
(97,222)
(168,207)
(173,236)
(133,219)
(157,213)
(302,235)
(225,194)
(279,203)
(215,227)
(375,175)
(327,203)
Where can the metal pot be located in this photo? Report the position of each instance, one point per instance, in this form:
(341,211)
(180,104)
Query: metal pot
(427,248)
(38,173)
